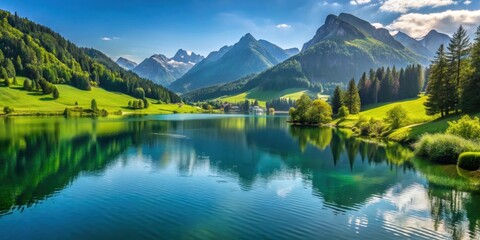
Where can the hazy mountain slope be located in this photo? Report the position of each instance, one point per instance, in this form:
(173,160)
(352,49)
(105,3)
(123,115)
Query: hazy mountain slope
(125,63)
(230,63)
(163,70)
(433,40)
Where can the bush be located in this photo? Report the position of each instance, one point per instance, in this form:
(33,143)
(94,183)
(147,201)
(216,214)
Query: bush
(8,110)
(372,127)
(469,161)
(396,117)
(443,148)
(343,112)
(465,127)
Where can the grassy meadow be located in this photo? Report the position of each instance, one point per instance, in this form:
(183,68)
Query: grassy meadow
(25,102)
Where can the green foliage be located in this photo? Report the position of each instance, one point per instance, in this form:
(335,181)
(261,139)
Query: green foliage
(6,82)
(371,128)
(337,100)
(8,110)
(93,105)
(397,117)
(146,104)
(465,127)
(352,98)
(444,148)
(470,100)
(55,93)
(311,112)
(319,112)
(27,85)
(301,108)
(38,53)
(469,161)
(343,112)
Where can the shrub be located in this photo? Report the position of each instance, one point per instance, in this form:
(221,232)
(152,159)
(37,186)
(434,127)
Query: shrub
(465,127)
(8,110)
(343,112)
(443,148)
(469,161)
(372,127)
(396,117)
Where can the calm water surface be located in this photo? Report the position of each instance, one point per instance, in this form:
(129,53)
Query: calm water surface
(219,177)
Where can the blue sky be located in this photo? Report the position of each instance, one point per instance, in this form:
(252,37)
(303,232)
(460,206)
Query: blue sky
(137,29)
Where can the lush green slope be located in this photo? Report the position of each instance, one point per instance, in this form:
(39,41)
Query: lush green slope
(25,102)
(44,56)
(264,96)
(419,122)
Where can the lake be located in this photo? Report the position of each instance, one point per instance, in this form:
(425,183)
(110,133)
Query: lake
(220,177)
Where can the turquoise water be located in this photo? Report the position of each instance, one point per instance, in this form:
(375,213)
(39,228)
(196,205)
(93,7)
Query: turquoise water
(217,177)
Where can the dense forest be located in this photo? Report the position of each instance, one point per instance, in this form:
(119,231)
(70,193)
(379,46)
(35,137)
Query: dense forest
(34,51)
(454,81)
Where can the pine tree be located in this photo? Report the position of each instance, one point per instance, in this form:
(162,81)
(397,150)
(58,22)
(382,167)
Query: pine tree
(458,50)
(363,89)
(438,83)
(352,98)
(470,101)
(337,101)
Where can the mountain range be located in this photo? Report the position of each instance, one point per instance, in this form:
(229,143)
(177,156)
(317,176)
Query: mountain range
(126,64)
(343,48)
(163,70)
(230,63)
(426,46)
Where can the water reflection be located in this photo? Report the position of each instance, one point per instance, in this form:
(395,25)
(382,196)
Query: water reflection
(373,184)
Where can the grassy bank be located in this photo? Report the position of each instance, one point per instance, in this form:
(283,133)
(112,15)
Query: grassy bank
(29,103)
(264,96)
(419,122)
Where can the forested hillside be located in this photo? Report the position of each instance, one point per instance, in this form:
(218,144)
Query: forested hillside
(35,51)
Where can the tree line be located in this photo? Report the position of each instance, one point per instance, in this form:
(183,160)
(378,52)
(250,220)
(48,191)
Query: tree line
(36,52)
(281,104)
(454,80)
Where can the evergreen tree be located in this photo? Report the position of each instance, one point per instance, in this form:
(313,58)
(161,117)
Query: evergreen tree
(352,98)
(458,50)
(146,104)
(438,85)
(363,89)
(470,101)
(27,85)
(337,101)
(55,93)
(6,82)
(93,105)
(10,68)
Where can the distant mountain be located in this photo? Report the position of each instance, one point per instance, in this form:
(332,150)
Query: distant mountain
(125,63)
(187,57)
(343,48)
(231,63)
(433,40)
(163,70)
(413,44)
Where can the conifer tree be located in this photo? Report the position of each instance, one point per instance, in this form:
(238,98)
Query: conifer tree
(438,84)
(337,101)
(352,98)
(470,101)
(458,50)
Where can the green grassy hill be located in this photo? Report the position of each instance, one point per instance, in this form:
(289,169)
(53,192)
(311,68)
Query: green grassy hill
(264,96)
(25,102)
(420,123)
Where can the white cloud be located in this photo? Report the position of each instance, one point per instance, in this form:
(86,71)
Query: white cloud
(467,2)
(105,38)
(418,24)
(359,2)
(377,25)
(283,26)
(403,6)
